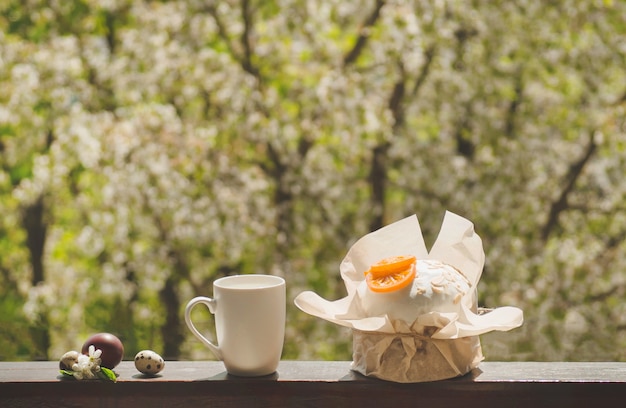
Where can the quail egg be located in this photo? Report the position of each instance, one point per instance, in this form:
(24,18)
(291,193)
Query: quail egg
(149,362)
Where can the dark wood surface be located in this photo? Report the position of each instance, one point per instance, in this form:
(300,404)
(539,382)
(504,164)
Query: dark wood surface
(317,384)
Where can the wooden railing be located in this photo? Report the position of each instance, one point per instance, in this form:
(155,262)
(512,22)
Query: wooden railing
(317,384)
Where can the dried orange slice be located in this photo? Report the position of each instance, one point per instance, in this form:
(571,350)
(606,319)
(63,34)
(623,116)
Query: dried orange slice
(391,265)
(391,274)
(392,282)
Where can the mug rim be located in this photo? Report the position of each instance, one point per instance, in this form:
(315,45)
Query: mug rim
(265,281)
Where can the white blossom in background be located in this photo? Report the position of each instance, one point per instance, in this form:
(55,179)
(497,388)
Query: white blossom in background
(180,152)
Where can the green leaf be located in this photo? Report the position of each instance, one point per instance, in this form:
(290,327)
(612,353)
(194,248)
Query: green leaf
(107,374)
(67,373)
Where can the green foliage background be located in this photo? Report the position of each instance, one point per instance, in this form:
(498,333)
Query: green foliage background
(149,147)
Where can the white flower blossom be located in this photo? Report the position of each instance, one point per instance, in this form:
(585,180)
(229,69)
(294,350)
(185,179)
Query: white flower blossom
(82,368)
(87,366)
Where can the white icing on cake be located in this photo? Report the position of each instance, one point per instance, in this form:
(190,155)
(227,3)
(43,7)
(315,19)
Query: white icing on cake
(437,287)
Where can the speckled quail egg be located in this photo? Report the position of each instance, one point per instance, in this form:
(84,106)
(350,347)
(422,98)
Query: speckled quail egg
(149,362)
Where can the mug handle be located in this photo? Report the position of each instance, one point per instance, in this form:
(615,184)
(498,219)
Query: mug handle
(211,304)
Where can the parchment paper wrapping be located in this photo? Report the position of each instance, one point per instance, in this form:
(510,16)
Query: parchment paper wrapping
(436,345)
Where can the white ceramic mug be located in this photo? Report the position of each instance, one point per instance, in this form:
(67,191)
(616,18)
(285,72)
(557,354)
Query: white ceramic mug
(249,321)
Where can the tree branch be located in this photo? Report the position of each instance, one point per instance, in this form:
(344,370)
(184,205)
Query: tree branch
(421,78)
(378,184)
(221,31)
(378,178)
(243,56)
(361,40)
(462,134)
(509,130)
(396,100)
(603,296)
(246,40)
(561,204)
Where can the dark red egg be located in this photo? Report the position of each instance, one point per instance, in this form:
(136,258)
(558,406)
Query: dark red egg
(111,346)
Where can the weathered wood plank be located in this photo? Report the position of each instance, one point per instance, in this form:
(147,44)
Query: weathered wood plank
(330,371)
(317,383)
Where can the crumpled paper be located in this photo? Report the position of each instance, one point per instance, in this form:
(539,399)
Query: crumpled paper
(436,345)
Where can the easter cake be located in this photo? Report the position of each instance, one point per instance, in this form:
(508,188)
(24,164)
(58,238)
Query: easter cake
(413,313)
(403,288)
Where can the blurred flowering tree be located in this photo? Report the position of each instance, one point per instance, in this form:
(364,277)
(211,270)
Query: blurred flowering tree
(149,147)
